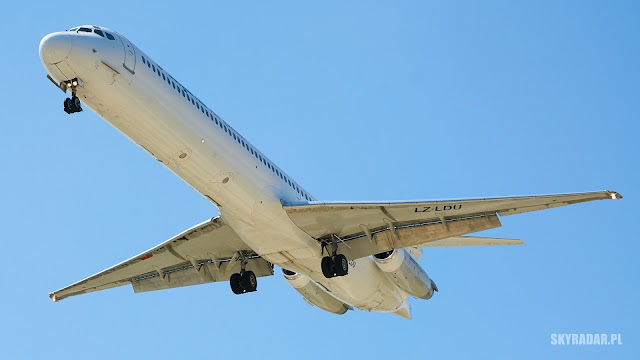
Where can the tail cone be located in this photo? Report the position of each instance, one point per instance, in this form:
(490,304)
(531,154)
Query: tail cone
(404,310)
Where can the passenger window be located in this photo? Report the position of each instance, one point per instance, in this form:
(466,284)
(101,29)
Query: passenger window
(148,65)
(154,68)
(109,36)
(163,78)
(143,60)
(198,106)
(99,32)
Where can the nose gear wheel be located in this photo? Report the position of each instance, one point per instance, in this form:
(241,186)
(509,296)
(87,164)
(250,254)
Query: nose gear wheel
(72,105)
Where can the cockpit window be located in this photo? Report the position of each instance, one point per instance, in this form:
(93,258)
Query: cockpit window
(84,29)
(99,32)
(109,36)
(74,29)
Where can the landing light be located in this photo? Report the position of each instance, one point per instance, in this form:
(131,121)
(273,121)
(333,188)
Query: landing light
(75,83)
(68,84)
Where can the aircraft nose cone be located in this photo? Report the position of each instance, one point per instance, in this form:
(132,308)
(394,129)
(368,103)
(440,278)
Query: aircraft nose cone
(55,47)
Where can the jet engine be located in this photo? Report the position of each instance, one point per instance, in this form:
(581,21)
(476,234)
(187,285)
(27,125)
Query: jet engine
(313,293)
(401,268)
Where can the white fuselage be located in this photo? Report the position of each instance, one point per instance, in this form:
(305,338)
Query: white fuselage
(161,116)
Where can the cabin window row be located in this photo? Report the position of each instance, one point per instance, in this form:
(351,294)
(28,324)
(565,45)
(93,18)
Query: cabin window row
(209,114)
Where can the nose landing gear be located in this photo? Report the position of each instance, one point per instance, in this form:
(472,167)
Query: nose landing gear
(72,105)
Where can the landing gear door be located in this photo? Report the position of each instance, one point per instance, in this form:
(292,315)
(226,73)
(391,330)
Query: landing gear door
(129,55)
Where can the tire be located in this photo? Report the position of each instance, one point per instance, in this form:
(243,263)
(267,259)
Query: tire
(341,265)
(67,105)
(77,106)
(234,281)
(327,267)
(249,281)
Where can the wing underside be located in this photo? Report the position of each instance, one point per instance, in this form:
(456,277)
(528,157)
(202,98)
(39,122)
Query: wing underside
(367,228)
(206,253)
(209,252)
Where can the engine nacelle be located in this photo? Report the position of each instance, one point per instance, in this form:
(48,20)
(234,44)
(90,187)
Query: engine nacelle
(406,273)
(313,293)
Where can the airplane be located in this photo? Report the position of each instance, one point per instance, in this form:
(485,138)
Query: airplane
(339,255)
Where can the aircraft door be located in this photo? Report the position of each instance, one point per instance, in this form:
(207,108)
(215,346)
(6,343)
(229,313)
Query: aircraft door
(129,55)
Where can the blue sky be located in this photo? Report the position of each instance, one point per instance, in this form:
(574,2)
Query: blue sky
(356,101)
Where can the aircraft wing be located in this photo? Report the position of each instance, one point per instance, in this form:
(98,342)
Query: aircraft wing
(366,228)
(206,253)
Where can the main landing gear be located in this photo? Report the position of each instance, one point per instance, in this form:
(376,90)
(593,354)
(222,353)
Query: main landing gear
(72,105)
(336,264)
(245,281)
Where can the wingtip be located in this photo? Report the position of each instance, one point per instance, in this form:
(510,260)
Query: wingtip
(53,297)
(614,195)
